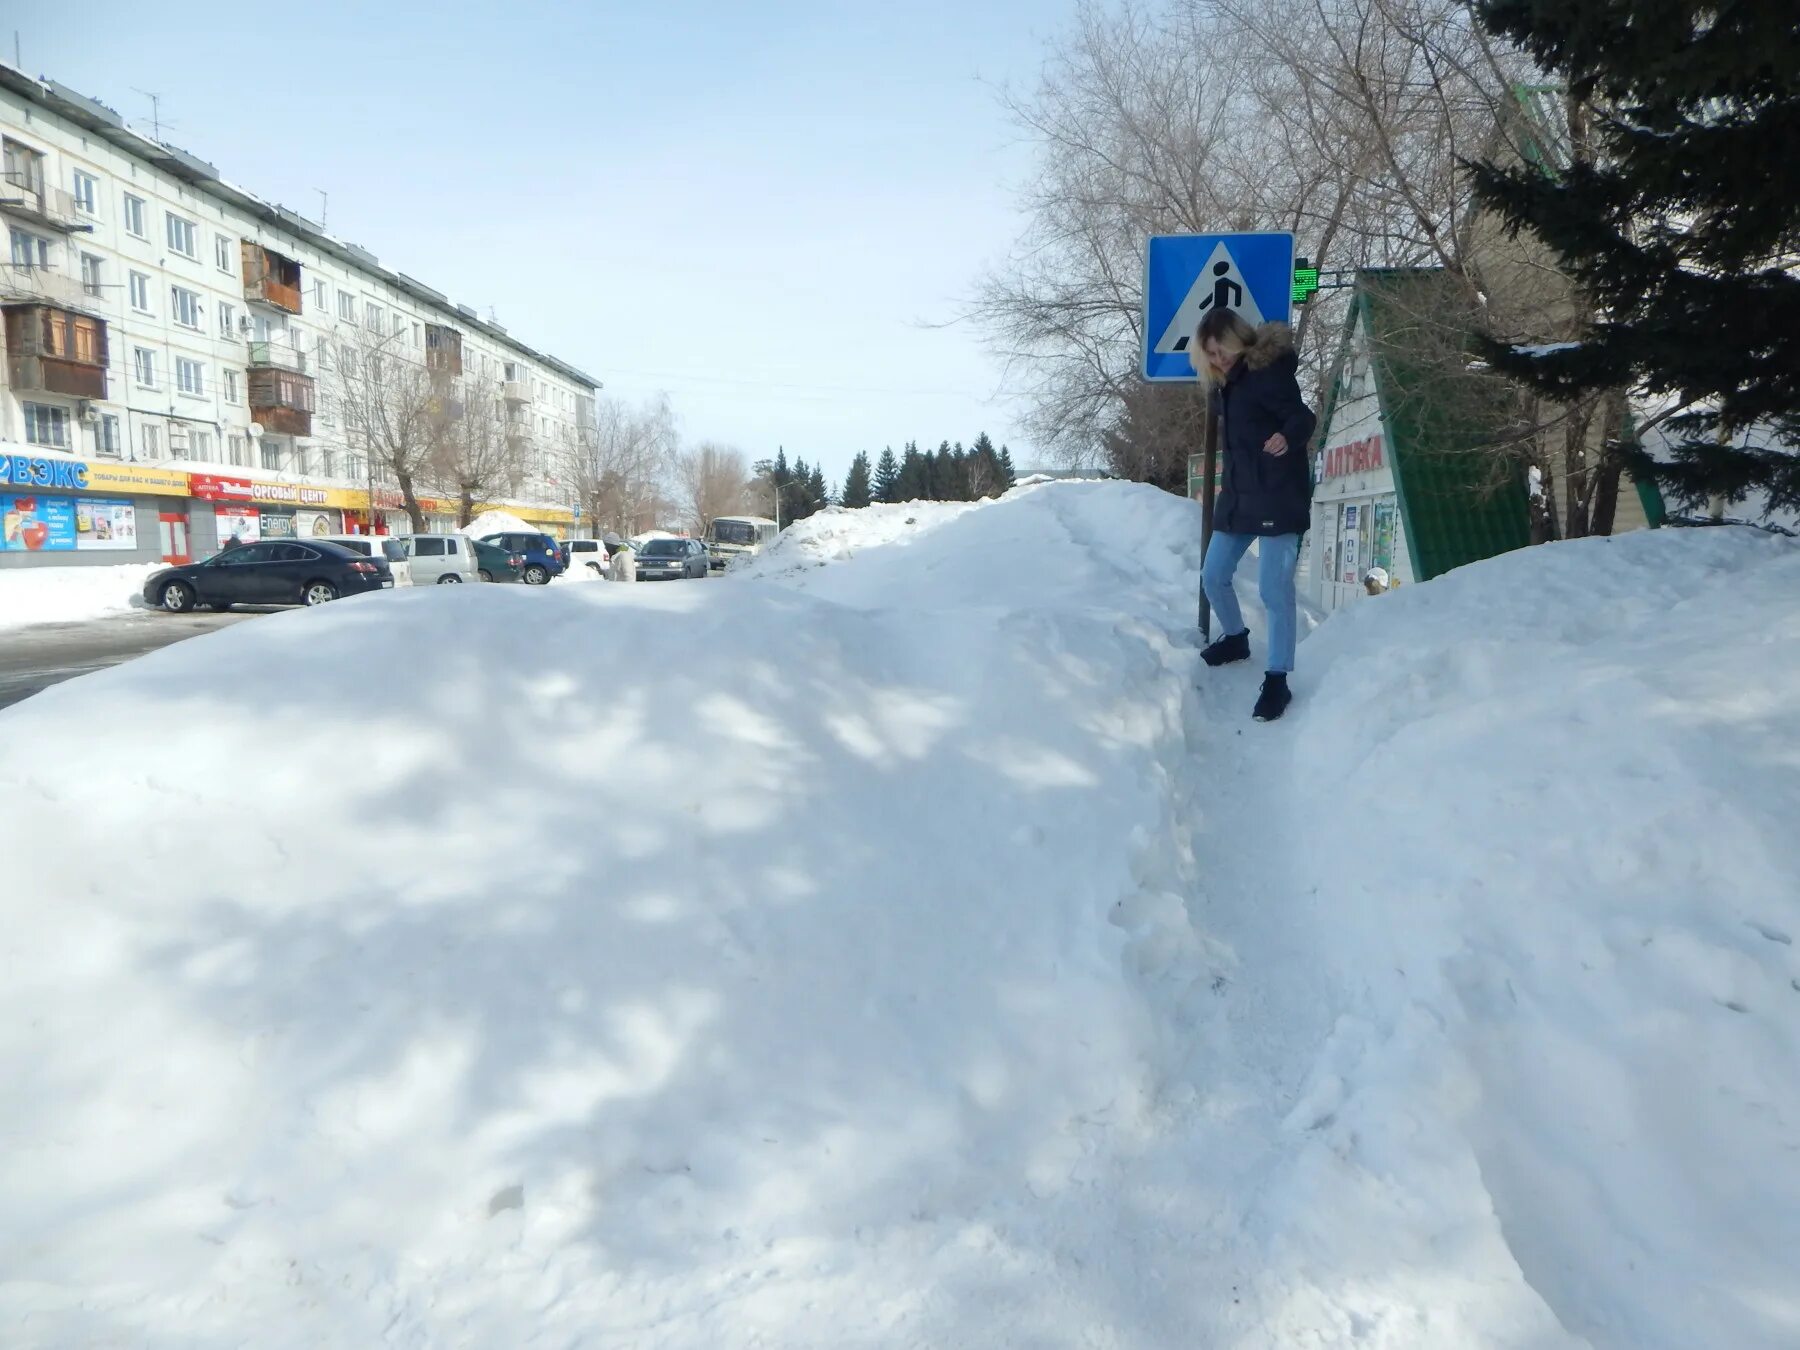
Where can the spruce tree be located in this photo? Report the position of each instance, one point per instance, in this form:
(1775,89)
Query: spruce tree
(1008,476)
(1679,216)
(796,499)
(913,484)
(818,497)
(857,492)
(887,476)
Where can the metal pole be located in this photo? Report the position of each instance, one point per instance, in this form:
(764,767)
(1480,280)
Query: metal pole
(1209,462)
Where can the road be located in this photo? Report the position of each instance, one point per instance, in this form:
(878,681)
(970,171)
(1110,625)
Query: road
(45,654)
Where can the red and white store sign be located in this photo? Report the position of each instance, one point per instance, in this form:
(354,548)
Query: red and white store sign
(212,487)
(1361,456)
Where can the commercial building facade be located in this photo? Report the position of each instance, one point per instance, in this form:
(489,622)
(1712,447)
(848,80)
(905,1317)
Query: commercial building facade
(177,356)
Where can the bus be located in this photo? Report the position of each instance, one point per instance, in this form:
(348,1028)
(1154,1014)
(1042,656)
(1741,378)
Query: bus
(730,537)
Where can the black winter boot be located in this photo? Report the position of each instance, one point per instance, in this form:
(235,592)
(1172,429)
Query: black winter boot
(1275,697)
(1231,647)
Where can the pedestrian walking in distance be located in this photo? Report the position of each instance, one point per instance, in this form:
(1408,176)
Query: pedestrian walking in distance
(1266,496)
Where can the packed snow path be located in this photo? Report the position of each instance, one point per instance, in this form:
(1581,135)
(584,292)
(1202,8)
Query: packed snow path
(908,943)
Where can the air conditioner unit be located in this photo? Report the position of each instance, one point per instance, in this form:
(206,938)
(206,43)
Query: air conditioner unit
(244,324)
(86,411)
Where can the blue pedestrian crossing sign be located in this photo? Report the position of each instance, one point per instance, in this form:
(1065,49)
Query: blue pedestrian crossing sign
(1187,276)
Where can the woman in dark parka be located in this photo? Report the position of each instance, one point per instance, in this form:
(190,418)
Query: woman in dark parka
(1266,496)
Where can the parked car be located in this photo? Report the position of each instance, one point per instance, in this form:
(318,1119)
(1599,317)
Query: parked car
(543,559)
(670,559)
(441,559)
(586,553)
(378,545)
(270,572)
(493,563)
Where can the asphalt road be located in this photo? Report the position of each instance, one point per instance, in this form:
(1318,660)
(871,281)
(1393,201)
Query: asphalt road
(45,654)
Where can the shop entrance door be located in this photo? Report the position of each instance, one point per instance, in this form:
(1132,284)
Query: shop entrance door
(172,530)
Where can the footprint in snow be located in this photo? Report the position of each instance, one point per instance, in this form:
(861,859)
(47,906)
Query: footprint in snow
(1772,934)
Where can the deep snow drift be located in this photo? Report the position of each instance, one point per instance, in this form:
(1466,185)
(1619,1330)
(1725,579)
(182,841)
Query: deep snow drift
(33,595)
(921,949)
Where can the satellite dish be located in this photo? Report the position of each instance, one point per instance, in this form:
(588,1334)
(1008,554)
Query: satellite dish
(256,430)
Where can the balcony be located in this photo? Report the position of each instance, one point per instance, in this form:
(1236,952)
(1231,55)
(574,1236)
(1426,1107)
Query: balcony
(271,279)
(281,399)
(443,350)
(40,285)
(517,391)
(276,356)
(55,351)
(28,197)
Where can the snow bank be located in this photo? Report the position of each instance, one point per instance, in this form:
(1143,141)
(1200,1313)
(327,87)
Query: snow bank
(498,522)
(69,594)
(921,950)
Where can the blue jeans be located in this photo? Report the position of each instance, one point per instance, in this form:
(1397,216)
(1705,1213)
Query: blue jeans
(1279,555)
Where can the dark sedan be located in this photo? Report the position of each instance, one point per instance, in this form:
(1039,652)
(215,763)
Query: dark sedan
(273,572)
(668,559)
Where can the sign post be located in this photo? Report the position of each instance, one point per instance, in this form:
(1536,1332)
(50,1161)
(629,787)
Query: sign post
(1186,277)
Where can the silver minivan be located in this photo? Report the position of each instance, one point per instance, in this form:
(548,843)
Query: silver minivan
(441,559)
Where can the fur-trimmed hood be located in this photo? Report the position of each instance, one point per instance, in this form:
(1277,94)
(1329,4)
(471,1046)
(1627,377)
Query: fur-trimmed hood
(1273,341)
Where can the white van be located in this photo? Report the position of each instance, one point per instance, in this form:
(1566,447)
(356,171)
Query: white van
(441,559)
(369,545)
(732,537)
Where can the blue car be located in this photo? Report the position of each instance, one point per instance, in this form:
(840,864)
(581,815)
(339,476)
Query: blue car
(543,557)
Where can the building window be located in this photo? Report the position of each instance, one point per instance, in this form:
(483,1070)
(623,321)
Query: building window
(28,249)
(87,193)
(222,252)
(372,318)
(324,352)
(353,468)
(184,238)
(231,386)
(178,442)
(202,446)
(144,362)
(106,437)
(327,463)
(302,460)
(90,275)
(227,320)
(190,377)
(134,216)
(399,325)
(184,305)
(240,455)
(319,300)
(418,336)
(152,442)
(140,292)
(346,307)
(47,424)
(271,454)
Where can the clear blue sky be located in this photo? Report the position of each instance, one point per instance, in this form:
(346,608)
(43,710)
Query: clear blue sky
(760,208)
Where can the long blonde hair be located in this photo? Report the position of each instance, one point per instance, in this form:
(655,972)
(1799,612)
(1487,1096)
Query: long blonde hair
(1230,330)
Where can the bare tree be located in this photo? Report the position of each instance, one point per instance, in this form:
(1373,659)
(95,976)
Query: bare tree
(713,479)
(391,411)
(477,451)
(620,463)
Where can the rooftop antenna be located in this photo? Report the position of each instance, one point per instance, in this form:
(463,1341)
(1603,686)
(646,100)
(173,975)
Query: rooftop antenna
(324,203)
(18,60)
(155,110)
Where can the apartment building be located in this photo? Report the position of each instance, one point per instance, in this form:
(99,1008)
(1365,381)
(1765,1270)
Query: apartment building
(175,353)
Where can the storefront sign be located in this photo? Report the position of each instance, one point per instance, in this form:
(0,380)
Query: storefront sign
(37,471)
(37,524)
(312,524)
(276,524)
(1362,456)
(133,478)
(105,524)
(212,487)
